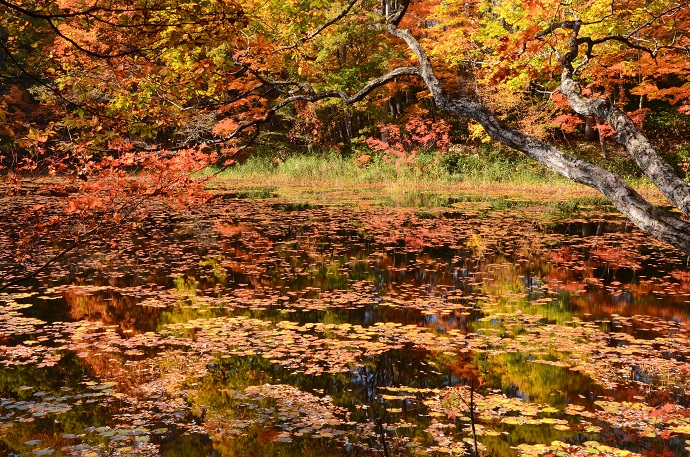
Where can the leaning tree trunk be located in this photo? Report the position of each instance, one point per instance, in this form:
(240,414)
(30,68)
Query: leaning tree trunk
(635,143)
(643,214)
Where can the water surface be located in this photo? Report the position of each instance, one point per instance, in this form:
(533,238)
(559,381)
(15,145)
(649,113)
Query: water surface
(262,324)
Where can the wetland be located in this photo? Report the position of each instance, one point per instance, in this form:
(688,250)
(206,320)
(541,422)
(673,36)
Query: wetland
(299,321)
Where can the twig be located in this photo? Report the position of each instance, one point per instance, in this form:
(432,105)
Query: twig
(382,436)
(60,255)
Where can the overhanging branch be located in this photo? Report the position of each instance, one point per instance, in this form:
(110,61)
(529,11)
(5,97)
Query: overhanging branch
(317,96)
(627,134)
(646,216)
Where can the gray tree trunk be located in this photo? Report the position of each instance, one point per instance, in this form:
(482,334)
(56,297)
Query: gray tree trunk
(643,214)
(590,131)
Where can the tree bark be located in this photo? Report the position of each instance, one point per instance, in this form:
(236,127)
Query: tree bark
(643,214)
(590,131)
(635,143)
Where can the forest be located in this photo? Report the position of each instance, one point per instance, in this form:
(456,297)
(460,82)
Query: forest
(347,227)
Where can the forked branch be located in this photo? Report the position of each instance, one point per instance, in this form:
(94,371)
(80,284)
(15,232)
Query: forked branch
(309,95)
(643,214)
(636,144)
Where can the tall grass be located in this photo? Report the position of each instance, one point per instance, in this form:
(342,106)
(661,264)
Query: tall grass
(428,168)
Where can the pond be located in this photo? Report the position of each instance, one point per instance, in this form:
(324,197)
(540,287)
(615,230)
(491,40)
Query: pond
(283,322)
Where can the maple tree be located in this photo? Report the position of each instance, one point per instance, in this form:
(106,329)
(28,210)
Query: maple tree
(147,80)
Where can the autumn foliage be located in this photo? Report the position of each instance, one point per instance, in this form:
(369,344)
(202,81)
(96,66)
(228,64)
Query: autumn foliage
(213,73)
(96,90)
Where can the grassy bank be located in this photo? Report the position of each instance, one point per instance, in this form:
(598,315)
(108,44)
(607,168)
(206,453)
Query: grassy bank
(482,169)
(304,177)
(427,168)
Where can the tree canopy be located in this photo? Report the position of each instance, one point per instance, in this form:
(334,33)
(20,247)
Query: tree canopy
(95,87)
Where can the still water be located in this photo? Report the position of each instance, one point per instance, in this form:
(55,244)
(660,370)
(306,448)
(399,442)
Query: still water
(362,324)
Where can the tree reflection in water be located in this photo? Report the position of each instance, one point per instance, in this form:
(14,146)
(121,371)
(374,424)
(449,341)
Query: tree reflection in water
(236,332)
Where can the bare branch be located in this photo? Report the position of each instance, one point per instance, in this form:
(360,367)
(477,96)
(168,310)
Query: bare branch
(323,27)
(621,39)
(396,14)
(571,25)
(311,97)
(317,96)
(627,134)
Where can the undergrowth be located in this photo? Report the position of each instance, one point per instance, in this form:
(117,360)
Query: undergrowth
(454,166)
